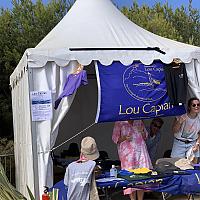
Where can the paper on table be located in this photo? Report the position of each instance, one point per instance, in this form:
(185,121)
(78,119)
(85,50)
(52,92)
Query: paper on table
(109,179)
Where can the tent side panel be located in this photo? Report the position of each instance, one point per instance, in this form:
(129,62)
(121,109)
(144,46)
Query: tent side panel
(22,131)
(193,73)
(50,78)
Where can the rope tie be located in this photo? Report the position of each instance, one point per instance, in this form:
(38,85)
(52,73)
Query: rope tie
(68,139)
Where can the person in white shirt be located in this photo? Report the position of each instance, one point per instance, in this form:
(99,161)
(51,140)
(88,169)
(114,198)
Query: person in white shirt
(79,176)
(186,129)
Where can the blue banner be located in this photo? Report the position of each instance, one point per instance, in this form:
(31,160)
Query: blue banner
(136,91)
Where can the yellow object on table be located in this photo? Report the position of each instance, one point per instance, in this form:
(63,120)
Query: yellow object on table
(140,170)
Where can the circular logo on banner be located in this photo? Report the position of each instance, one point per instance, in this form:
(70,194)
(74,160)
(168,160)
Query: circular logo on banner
(142,82)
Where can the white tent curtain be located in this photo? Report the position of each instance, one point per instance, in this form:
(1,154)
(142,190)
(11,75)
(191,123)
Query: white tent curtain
(34,140)
(49,78)
(193,73)
(24,168)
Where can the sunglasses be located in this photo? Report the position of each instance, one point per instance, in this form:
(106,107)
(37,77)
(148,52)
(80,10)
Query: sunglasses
(194,105)
(155,125)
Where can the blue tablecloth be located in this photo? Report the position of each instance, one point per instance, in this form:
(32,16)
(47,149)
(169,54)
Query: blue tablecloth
(185,183)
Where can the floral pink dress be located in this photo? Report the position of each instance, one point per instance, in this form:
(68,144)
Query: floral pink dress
(132,154)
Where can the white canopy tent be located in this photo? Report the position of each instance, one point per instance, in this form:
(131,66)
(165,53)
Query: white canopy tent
(90,26)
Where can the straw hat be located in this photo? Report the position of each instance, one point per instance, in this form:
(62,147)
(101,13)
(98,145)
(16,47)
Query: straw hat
(89,148)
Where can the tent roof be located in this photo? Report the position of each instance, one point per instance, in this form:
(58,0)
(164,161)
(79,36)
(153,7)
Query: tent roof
(99,24)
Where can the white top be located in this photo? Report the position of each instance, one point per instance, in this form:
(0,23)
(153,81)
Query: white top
(78,179)
(189,129)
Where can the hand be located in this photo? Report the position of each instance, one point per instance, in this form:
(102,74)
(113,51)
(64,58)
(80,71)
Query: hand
(195,147)
(140,128)
(128,138)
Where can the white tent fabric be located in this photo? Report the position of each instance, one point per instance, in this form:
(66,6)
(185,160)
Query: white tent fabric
(89,24)
(22,128)
(34,140)
(99,24)
(193,73)
(53,79)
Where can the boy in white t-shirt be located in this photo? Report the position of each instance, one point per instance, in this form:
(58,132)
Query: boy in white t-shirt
(79,175)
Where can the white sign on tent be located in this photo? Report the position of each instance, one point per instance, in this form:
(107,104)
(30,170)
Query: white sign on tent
(41,105)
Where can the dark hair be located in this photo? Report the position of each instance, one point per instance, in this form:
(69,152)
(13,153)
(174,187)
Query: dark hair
(158,120)
(167,153)
(73,150)
(103,155)
(190,102)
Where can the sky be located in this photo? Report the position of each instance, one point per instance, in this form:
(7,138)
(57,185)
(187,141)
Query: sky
(128,3)
(173,3)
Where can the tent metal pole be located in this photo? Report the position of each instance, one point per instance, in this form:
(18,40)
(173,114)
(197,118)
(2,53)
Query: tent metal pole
(110,49)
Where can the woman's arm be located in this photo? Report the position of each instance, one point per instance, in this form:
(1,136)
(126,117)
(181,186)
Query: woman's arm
(123,138)
(178,121)
(117,137)
(144,132)
(116,132)
(197,144)
(140,127)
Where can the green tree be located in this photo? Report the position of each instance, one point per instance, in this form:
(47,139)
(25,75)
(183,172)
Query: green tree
(20,28)
(151,19)
(181,24)
(187,23)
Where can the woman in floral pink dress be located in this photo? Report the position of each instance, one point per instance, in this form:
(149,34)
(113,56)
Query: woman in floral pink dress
(129,137)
